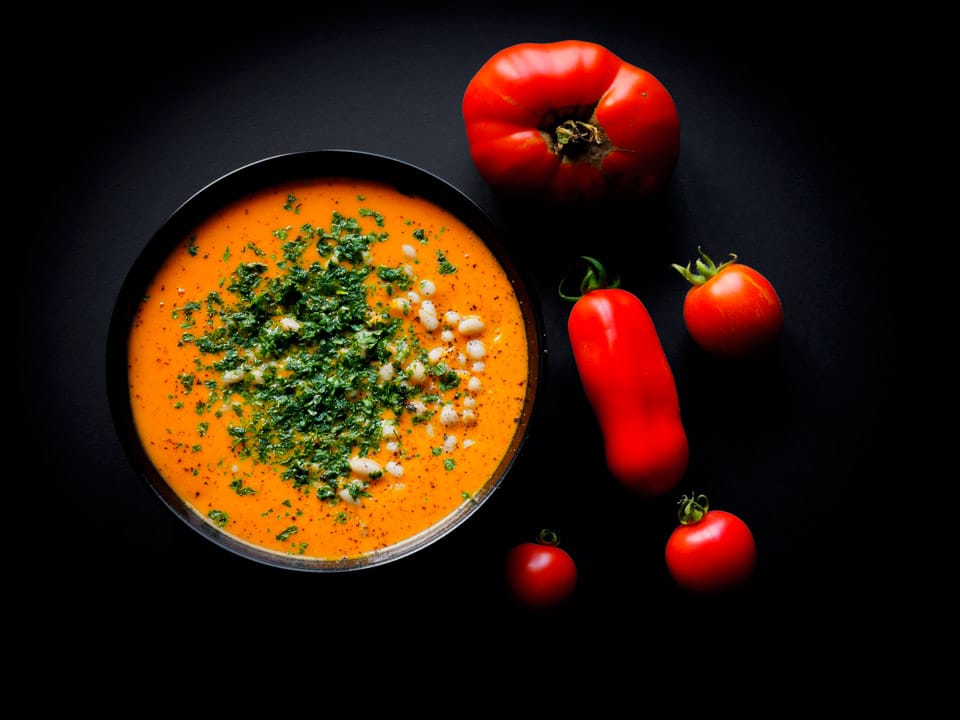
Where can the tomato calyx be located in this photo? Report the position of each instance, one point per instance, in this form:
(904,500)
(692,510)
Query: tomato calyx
(692,509)
(575,140)
(548,537)
(706,268)
(594,279)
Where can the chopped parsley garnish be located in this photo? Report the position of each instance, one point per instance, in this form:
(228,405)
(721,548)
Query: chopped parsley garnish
(294,350)
(187,380)
(444,266)
(292,530)
(377,217)
(219,517)
(238,487)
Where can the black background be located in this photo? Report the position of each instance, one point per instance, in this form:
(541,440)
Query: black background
(786,120)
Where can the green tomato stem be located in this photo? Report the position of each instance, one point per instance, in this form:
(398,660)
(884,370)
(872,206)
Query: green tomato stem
(594,279)
(574,138)
(692,509)
(548,537)
(706,268)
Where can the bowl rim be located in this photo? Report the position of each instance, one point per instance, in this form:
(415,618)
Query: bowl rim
(274,170)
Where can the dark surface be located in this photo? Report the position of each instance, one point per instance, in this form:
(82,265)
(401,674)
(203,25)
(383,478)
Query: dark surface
(781,162)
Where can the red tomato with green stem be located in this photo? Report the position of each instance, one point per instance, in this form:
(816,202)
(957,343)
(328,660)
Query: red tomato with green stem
(629,383)
(541,573)
(570,121)
(711,550)
(732,310)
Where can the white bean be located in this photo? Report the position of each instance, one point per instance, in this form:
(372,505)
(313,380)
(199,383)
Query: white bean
(428,316)
(427,287)
(365,466)
(471,326)
(474,384)
(230,377)
(448,415)
(395,468)
(347,497)
(451,317)
(476,349)
(386,372)
(409,251)
(469,417)
(289,323)
(355,488)
(417,372)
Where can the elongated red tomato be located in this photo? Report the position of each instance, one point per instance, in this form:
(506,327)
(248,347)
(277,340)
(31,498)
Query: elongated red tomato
(570,121)
(629,383)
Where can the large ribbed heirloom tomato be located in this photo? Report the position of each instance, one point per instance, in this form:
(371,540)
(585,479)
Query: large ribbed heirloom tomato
(570,121)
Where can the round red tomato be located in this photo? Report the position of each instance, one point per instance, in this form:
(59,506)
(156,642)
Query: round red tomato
(711,550)
(732,310)
(541,574)
(570,121)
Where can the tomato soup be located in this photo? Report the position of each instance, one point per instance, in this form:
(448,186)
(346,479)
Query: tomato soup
(328,367)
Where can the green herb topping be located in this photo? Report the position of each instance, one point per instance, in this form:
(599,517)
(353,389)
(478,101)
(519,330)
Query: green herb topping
(295,349)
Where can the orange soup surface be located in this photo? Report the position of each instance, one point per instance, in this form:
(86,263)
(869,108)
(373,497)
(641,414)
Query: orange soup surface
(328,367)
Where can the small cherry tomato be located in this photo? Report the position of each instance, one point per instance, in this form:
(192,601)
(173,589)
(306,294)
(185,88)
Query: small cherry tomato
(732,310)
(711,550)
(541,574)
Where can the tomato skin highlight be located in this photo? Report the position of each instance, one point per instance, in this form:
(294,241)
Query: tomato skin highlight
(516,106)
(540,574)
(631,388)
(714,554)
(732,311)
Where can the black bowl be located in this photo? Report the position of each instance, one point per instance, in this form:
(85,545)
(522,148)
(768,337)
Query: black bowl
(268,172)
